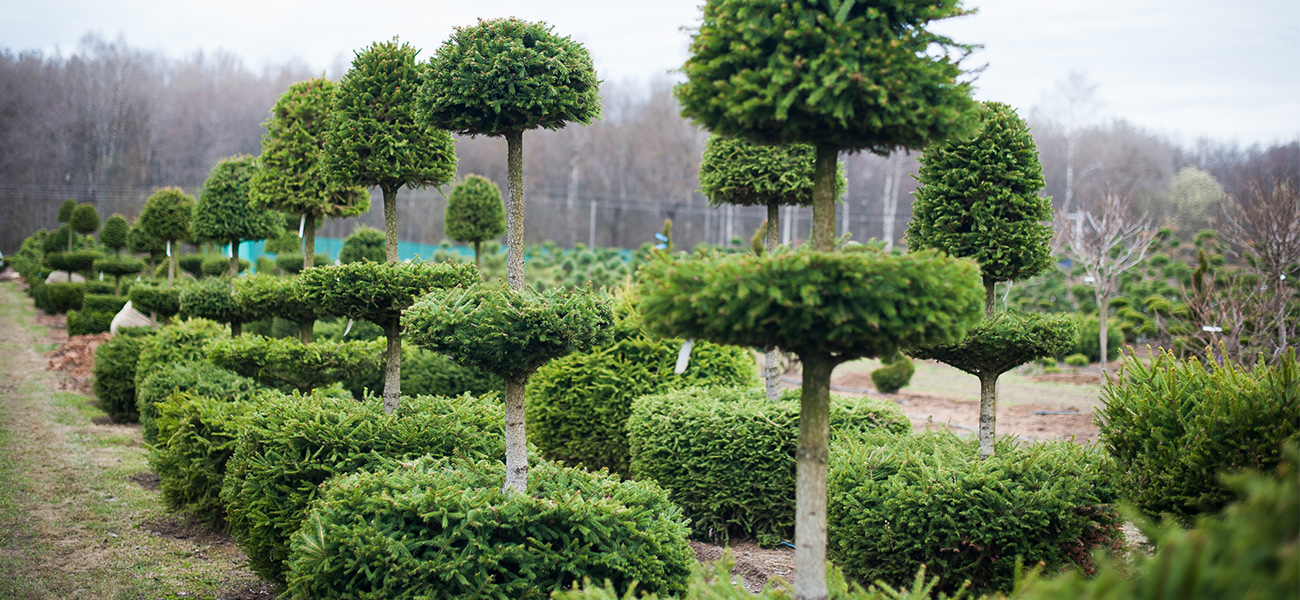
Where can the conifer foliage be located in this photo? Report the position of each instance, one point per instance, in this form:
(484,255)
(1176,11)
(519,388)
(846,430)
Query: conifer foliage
(224,214)
(475,213)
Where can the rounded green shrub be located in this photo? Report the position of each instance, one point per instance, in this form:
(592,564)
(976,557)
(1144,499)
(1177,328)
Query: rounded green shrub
(426,373)
(216,266)
(196,436)
(114,373)
(288,364)
(364,243)
(63,297)
(209,299)
(896,503)
(894,376)
(292,262)
(193,263)
(1175,427)
(726,455)
(1078,360)
(197,377)
(440,528)
(291,445)
(103,303)
(89,322)
(156,298)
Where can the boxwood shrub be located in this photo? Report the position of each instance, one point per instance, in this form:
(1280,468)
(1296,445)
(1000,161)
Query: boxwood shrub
(727,455)
(1174,427)
(114,373)
(896,503)
(198,377)
(442,528)
(196,436)
(577,406)
(63,297)
(292,444)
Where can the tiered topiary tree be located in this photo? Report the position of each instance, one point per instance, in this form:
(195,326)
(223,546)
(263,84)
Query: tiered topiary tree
(115,237)
(224,213)
(263,295)
(166,217)
(510,333)
(365,243)
(374,137)
(840,76)
(379,292)
(475,213)
(503,77)
(292,176)
(289,365)
(979,199)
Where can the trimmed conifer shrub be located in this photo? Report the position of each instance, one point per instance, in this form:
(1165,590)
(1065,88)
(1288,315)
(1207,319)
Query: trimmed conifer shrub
(198,377)
(217,265)
(426,373)
(440,528)
(89,322)
(148,297)
(726,455)
(896,503)
(63,297)
(894,376)
(292,444)
(103,303)
(1176,426)
(196,436)
(289,364)
(114,371)
(209,299)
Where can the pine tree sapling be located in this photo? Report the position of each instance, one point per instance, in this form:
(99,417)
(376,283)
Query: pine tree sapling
(374,138)
(379,293)
(510,334)
(166,217)
(224,214)
(293,177)
(475,213)
(500,78)
(365,243)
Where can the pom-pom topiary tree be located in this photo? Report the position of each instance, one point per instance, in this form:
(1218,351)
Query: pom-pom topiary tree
(379,293)
(224,213)
(827,308)
(500,78)
(475,213)
(374,137)
(166,217)
(85,219)
(365,243)
(113,236)
(293,176)
(65,216)
(510,333)
(979,199)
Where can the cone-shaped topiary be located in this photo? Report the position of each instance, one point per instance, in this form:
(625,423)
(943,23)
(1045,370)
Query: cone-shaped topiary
(224,213)
(293,176)
(475,213)
(511,334)
(379,292)
(166,217)
(374,138)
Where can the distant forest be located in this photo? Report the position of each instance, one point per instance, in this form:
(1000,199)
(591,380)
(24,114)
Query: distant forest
(109,123)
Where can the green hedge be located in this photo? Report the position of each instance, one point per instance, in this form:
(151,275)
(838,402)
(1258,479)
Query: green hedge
(288,364)
(293,444)
(1174,427)
(114,371)
(103,303)
(440,528)
(196,436)
(577,406)
(209,299)
(157,298)
(727,455)
(89,322)
(63,297)
(896,503)
(198,377)
(179,342)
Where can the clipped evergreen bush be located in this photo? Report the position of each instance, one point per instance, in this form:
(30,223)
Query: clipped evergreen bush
(148,297)
(196,436)
(1077,360)
(1175,427)
(289,364)
(103,303)
(210,299)
(426,373)
(292,262)
(894,375)
(292,444)
(114,373)
(63,297)
(440,528)
(89,322)
(364,243)
(197,377)
(216,266)
(726,455)
(899,502)
(193,263)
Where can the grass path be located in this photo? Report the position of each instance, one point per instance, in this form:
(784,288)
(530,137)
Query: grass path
(73,521)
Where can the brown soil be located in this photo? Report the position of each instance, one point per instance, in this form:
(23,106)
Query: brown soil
(76,359)
(755,567)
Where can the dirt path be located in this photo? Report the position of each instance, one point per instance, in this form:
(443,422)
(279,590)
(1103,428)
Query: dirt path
(74,520)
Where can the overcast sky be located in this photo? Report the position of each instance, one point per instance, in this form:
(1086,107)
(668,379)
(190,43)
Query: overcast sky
(1182,68)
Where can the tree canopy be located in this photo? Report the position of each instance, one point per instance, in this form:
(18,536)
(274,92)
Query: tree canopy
(475,212)
(224,212)
(166,217)
(114,234)
(735,171)
(85,219)
(364,243)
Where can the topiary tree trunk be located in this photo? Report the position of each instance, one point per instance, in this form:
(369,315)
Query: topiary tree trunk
(772,355)
(515,211)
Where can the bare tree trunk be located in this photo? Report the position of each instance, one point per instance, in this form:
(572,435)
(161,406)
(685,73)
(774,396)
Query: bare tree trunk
(390,224)
(478,262)
(393,366)
(810,479)
(306,331)
(771,355)
(889,201)
(823,229)
(516,439)
(171,266)
(988,413)
(990,297)
(515,211)
(236,329)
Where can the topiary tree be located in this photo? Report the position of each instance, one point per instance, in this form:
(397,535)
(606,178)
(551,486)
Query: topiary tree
(374,137)
(289,365)
(379,293)
(365,243)
(503,77)
(510,333)
(827,308)
(85,219)
(65,216)
(166,217)
(262,295)
(139,241)
(224,213)
(118,267)
(210,299)
(475,213)
(293,176)
(114,234)
(979,199)
(734,171)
